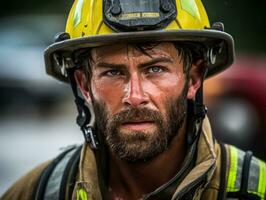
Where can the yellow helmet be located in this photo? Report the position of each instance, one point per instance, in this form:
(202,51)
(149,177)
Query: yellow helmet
(93,23)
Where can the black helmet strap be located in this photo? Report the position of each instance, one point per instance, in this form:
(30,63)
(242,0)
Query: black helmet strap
(84,114)
(196,113)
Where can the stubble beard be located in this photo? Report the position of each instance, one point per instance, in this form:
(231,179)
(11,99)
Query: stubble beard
(140,146)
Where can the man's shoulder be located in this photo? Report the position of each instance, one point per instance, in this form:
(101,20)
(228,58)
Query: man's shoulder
(238,173)
(246,174)
(23,189)
(46,175)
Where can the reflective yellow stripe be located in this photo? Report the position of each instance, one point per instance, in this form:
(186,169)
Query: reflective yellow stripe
(82,194)
(257,174)
(233,170)
(262,180)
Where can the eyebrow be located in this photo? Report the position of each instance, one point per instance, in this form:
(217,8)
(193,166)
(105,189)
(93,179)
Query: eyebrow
(109,65)
(142,65)
(156,60)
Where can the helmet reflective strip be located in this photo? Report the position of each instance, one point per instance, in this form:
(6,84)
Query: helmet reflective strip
(233,170)
(82,194)
(190,7)
(78,13)
(262,180)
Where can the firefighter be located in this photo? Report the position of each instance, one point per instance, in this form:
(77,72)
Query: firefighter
(138,67)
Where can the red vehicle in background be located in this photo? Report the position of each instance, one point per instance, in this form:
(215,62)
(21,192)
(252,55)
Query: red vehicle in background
(236,102)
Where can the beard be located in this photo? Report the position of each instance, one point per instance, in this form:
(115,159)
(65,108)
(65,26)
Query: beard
(140,146)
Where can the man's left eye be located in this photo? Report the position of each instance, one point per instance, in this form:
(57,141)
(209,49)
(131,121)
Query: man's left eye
(154,69)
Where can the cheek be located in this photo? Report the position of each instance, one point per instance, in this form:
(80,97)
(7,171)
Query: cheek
(160,91)
(170,85)
(109,93)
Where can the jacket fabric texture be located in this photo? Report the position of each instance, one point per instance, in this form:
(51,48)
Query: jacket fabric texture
(201,180)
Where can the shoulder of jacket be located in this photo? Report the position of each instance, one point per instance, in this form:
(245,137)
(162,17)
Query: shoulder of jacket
(58,178)
(246,174)
(46,179)
(24,187)
(237,174)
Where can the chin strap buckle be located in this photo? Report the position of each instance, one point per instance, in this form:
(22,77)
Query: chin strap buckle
(84,115)
(90,136)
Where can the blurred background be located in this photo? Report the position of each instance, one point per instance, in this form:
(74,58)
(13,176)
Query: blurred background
(37,114)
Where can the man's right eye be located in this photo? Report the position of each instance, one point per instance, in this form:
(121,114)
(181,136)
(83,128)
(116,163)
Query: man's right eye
(113,72)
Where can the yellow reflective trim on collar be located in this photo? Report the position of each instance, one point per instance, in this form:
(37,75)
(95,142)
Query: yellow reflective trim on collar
(262,180)
(233,170)
(82,194)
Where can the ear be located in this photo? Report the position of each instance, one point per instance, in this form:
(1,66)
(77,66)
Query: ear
(195,79)
(82,84)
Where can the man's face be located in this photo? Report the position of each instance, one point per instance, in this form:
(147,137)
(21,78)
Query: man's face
(139,99)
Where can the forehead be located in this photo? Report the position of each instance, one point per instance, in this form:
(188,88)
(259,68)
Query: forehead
(124,51)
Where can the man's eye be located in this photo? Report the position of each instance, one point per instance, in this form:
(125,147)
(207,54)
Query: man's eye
(155,69)
(113,72)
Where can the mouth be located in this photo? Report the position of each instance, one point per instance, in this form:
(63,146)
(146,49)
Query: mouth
(138,125)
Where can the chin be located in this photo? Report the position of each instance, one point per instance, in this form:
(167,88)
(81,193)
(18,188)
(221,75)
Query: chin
(138,146)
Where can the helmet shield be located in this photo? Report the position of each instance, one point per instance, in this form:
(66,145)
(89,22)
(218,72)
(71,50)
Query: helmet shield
(130,15)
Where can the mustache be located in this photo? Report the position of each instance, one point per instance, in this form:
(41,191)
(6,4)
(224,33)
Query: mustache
(135,114)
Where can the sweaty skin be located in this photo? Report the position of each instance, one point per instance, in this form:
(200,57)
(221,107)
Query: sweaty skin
(122,77)
(136,85)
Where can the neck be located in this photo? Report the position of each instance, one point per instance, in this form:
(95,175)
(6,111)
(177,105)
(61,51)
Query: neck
(133,180)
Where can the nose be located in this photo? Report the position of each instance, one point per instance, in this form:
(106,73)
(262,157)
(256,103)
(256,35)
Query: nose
(135,96)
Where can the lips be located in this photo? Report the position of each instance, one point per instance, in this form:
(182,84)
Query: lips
(137,122)
(137,125)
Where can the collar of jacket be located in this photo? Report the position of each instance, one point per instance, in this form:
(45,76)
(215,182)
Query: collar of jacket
(87,185)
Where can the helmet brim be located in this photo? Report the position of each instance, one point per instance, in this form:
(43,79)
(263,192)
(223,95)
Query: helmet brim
(221,46)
